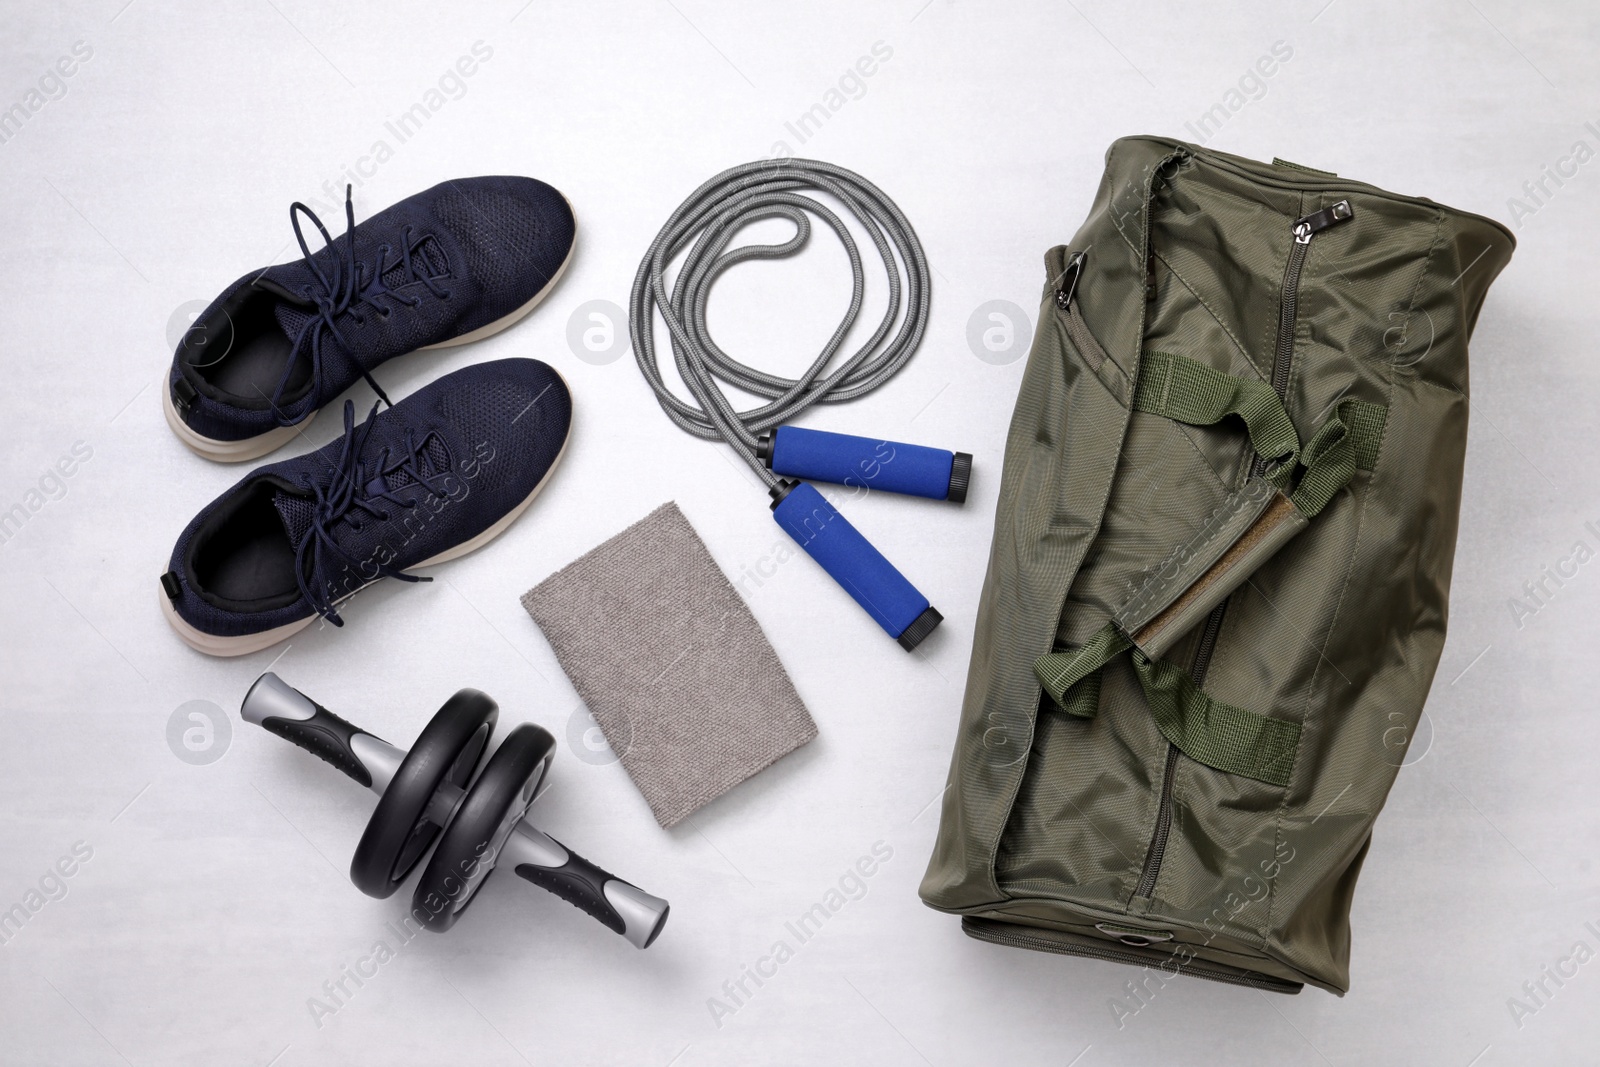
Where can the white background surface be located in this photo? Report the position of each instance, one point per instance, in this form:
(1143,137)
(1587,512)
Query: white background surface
(216,901)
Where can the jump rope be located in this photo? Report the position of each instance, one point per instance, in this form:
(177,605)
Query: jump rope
(781,454)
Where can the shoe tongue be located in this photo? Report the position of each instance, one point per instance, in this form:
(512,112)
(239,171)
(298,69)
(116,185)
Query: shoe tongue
(435,460)
(291,319)
(296,512)
(427,257)
(292,313)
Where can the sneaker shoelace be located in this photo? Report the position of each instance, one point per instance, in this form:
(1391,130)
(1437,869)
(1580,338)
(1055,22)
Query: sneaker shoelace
(352,487)
(351,287)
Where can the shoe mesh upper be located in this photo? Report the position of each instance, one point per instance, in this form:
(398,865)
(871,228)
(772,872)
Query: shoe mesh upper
(537,414)
(491,243)
(490,432)
(496,231)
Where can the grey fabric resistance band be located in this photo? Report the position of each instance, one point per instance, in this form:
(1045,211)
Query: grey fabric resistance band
(705,223)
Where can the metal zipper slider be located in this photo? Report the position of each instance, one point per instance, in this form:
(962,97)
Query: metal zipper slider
(1069,279)
(1318,221)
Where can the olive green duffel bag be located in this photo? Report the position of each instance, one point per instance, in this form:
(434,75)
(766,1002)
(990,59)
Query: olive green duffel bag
(1221,567)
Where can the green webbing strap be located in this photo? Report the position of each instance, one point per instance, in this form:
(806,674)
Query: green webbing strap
(1083,699)
(1219,735)
(1347,442)
(1058,672)
(1182,389)
(1206,730)
(1366,423)
(1330,462)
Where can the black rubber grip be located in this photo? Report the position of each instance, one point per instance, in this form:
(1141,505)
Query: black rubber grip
(580,883)
(324,735)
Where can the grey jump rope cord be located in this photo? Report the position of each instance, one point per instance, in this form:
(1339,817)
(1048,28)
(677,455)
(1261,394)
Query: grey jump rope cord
(705,223)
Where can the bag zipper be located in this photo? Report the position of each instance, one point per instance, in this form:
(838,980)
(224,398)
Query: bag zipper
(1305,228)
(1158,837)
(988,930)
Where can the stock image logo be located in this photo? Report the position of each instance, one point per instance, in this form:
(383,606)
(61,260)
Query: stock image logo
(1403,746)
(185,328)
(51,84)
(51,486)
(50,887)
(597,332)
(588,742)
(998,332)
(198,732)
(1406,341)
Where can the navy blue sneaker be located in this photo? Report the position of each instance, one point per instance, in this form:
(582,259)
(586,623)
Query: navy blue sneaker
(437,475)
(456,263)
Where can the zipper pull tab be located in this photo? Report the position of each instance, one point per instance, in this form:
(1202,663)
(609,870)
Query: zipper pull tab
(1318,221)
(1069,279)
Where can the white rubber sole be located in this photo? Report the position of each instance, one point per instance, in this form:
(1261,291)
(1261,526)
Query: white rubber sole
(243,645)
(223,451)
(258,446)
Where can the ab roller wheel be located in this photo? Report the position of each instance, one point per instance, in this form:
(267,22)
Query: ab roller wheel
(427,796)
(400,830)
(488,814)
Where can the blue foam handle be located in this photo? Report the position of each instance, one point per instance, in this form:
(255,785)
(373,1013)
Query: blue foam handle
(892,466)
(827,536)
